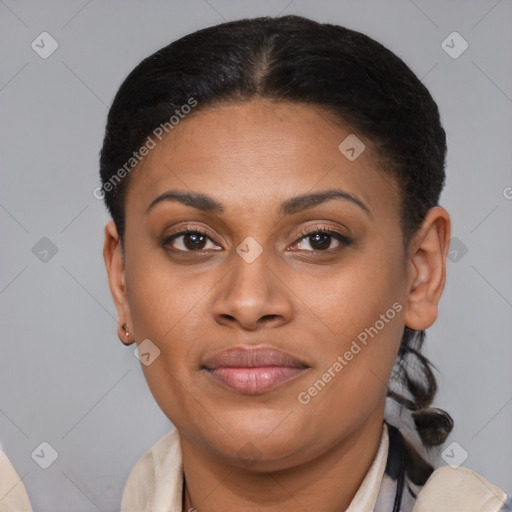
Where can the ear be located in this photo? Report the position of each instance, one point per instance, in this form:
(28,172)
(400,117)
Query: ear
(113,256)
(427,256)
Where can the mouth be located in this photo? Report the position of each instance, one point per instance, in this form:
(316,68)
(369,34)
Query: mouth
(253,371)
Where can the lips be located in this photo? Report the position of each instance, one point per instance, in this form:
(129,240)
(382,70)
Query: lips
(253,370)
(241,357)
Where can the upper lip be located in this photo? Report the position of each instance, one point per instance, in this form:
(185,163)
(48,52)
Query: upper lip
(252,357)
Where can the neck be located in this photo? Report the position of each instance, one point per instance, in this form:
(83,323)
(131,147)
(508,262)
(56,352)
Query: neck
(328,482)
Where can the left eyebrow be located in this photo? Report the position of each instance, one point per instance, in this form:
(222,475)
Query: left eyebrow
(305,201)
(290,206)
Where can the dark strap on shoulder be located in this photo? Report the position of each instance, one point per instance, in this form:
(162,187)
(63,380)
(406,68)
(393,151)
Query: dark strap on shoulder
(403,463)
(395,464)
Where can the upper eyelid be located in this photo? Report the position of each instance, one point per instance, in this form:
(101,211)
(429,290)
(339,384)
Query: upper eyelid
(304,233)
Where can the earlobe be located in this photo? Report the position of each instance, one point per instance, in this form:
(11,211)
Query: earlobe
(126,339)
(427,269)
(112,255)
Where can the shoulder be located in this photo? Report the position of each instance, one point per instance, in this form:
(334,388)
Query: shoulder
(444,489)
(13,494)
(460,488)
(156,476)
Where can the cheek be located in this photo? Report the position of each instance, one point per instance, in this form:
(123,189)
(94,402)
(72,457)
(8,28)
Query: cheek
(163,298)
(362,308)
(353,378)
(165,310)
(352,298)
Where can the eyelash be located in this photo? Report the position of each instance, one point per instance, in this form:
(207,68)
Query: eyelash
(304,233)
(323,230)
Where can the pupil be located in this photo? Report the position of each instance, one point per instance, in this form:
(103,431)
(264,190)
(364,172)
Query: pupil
(197,240)
(323,238)
(320,240)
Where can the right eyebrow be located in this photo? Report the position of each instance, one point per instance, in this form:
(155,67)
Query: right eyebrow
(193,199)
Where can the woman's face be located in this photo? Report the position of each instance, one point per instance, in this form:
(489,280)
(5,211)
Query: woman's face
(253,278)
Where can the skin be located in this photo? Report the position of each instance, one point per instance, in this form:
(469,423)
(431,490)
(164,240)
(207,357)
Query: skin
(251,157)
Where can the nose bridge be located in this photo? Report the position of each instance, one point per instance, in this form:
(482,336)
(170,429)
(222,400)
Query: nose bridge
(251,289)
(251,278)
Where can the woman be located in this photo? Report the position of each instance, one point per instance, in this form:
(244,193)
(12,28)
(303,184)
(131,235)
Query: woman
(277,249)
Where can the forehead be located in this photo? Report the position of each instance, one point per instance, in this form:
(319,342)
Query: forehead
(259,153)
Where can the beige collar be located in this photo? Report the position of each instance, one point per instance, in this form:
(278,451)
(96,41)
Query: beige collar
(13,495)
(156,484)
(156,481)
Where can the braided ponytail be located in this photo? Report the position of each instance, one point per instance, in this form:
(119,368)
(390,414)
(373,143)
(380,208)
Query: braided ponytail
(414,372)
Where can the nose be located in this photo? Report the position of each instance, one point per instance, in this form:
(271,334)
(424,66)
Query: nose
(253,295)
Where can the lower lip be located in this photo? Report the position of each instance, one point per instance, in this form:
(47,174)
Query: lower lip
(253,381)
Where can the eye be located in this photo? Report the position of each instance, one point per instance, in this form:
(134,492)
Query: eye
(320,239)
(195,239)
(191,239)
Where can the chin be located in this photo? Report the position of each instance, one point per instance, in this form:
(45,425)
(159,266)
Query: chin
(274,435)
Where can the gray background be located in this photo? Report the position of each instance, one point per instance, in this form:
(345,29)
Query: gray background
(66,379)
